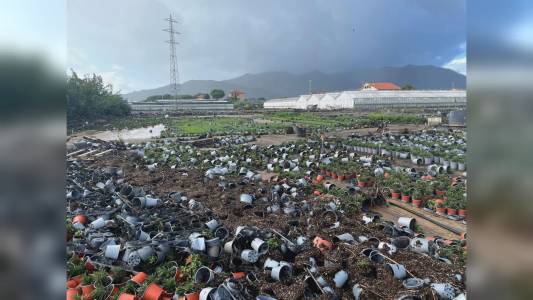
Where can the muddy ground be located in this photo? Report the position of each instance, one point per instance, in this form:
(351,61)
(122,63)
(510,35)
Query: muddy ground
(375,280)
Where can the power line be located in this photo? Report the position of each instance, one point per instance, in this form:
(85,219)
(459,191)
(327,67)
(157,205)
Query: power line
(174,74)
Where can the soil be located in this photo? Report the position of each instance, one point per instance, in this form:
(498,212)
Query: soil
(232,213)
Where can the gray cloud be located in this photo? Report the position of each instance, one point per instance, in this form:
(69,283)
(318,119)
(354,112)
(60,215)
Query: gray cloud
(222,39)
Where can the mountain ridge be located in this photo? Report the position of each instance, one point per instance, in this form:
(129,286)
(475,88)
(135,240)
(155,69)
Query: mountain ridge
(274,84)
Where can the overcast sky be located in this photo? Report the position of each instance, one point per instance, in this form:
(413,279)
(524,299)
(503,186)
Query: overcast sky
(123,39)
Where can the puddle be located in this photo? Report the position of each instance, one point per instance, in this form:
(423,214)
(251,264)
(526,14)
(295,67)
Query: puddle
(137,134)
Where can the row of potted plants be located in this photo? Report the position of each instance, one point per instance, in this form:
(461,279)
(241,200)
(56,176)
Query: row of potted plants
(167,280)
(438,194)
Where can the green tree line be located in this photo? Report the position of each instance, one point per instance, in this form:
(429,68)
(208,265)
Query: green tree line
(89,98)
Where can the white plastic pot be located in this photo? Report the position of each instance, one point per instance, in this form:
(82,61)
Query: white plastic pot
(444,290)
(204,275)
(213,247)
(249,255)
(420,245)
(281,272)
(206,293)
(357,291)
(340,278)
(270,263)
(112,251)
(397,270)
(212,225)
(407,222)
(260,246)
(246,198)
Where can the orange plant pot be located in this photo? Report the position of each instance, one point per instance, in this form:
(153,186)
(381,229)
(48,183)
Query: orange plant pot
(71,293)
(395,195)
(440,193)
(361,184)
(152,292)
(74,281)
(139,278)
(417,202)
(406,198)
(322,244)
(192,296)
(238,275)
(319,178)
(86,291)
(441,210)
(451,211)
(80,219)
(317,193)
(462,212)
(125,296)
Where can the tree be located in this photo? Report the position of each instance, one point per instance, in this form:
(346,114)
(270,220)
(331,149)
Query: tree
(217,94)
(89,98)
(408,87)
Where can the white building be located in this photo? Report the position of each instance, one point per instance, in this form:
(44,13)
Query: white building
(372,99)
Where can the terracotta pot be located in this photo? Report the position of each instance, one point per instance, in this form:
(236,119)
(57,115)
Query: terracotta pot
(439,201)
(441,210)
(238,275)
(319,178)
(328,173)
(317,193)
(152,292)
(80,219)
(395,195)
(192,296)
(462,212)
(74,282)
(71,293)
(333,175)
(178,276)
(139,278)
(361,184)
(322,244)
(86,291)
(440,193)
(417,202)
(406,198)
(125,296)
(451,211)
(386,174)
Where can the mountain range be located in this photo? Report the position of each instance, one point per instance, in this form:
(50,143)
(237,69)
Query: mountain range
(285,84)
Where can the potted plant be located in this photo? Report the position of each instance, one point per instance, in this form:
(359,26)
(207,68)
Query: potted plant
(417,197)
(87,286)
(406,192)
(462,207)
(395,189)
(439,208)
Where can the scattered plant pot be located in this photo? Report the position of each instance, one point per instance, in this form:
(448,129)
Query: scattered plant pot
(319,178)
(249,255)
(407,222)
(204,275)
(80,219)
(322,244)
(152,292)
(86,291)
(401,242)
(125,296)
(417,202)
(413,283)
(71,292)
(397,270)
(406,198)
(207,293)
(395,195)
(281,273)
(139,278)
(237,276)
(462,212)
(192,296)
(340,278)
